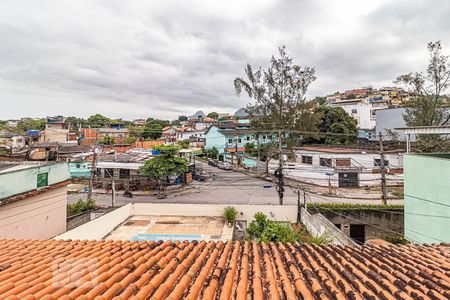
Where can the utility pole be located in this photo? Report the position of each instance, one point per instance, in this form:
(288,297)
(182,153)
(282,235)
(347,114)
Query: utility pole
(236,138)
(382,170)
(298,205)
(93,167)
(280,186)
(113,189)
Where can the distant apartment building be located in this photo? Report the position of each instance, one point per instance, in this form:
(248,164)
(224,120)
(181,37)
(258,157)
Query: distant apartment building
(427,202)
(185,133)
(33,199)
(56,130)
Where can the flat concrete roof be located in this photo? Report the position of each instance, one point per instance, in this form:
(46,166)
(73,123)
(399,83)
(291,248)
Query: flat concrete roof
(171,228)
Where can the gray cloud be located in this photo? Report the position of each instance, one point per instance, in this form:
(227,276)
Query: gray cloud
(161,58)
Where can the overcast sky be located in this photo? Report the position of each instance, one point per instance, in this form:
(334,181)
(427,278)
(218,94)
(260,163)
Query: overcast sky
(136,59)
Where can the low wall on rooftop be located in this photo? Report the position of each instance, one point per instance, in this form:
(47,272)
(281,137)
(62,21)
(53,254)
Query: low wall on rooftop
(99,228)
(246,212)
(102,226)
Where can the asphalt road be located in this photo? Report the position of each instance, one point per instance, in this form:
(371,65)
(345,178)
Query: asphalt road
(226,187)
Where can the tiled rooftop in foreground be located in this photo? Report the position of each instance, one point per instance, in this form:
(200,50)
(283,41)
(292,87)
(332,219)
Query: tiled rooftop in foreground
(31,269)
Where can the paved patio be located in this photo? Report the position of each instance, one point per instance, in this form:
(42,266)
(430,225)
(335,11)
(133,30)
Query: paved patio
(171,228)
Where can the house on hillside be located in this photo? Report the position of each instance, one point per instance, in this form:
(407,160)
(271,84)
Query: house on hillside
(12,142)
(343,166)
(185,133)
(231,138)
(33,199)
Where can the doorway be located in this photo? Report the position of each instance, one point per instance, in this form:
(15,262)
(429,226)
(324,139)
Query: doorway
(358,233)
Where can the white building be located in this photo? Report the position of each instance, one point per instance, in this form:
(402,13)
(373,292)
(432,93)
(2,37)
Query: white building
(186,133)
(345,167)
(364,112)
(33,199)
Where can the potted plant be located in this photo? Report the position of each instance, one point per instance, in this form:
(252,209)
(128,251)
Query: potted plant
(229,215)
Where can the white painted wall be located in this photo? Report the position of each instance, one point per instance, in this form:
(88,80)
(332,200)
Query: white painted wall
(38,217)
(246,212)
(317,174)
(102,226)
(99,228)
(364,113)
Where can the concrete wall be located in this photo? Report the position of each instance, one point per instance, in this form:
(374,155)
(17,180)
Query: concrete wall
(246,212)
(318,225)
(38,217)
(80,219)
(100,227)
(427,201)
(25,180)
(391,221)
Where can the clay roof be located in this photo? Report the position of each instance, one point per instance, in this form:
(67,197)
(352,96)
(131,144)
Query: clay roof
(31,269)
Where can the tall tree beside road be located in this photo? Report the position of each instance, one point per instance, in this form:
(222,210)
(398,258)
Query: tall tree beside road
(279,93)
(428,106)
(164,165)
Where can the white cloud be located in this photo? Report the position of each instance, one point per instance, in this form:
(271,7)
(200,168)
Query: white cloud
(161,58)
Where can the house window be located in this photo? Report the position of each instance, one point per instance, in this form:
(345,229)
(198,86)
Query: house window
(230,141)
(239,141)
(354,111)
(377,163)
(248,138)
(124,173)
(42,180)
(325,162)
(307,159)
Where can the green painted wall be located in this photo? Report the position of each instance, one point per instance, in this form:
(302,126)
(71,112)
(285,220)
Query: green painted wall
(25,180)
(427,198)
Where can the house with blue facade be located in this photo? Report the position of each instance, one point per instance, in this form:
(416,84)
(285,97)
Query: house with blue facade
(231,138)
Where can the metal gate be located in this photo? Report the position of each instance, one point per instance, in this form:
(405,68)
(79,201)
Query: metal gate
(348,179)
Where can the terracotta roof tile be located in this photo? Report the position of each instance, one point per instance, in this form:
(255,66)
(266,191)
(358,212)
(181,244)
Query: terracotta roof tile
(31,269)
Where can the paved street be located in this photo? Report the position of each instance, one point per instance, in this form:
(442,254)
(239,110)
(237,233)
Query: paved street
(226,187)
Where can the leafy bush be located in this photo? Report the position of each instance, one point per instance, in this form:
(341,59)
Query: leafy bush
(304,237)
(80,206)
(264,230)
(229,214)
(397,240)
(355,206)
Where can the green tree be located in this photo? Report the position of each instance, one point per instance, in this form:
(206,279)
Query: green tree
(250,149)
(427,105)
(130,140)
(265,230)
(107,140)
(165,164)
(212,153)
(213,115)
(184,144)
(31,124)
(98,121)
(182,118)
(339,124)
(279,94)
(153,128)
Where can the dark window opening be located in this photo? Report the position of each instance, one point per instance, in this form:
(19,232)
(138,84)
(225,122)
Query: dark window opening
(306,159)
(357,233)
(377,162)
(338,226)
(326,162)
(124,173)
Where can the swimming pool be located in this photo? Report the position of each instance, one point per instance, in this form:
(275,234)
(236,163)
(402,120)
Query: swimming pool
(166,237)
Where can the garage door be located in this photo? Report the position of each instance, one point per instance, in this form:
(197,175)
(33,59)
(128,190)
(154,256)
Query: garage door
(348,180)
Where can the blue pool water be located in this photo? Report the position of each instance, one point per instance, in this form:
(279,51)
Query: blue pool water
(165,237)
